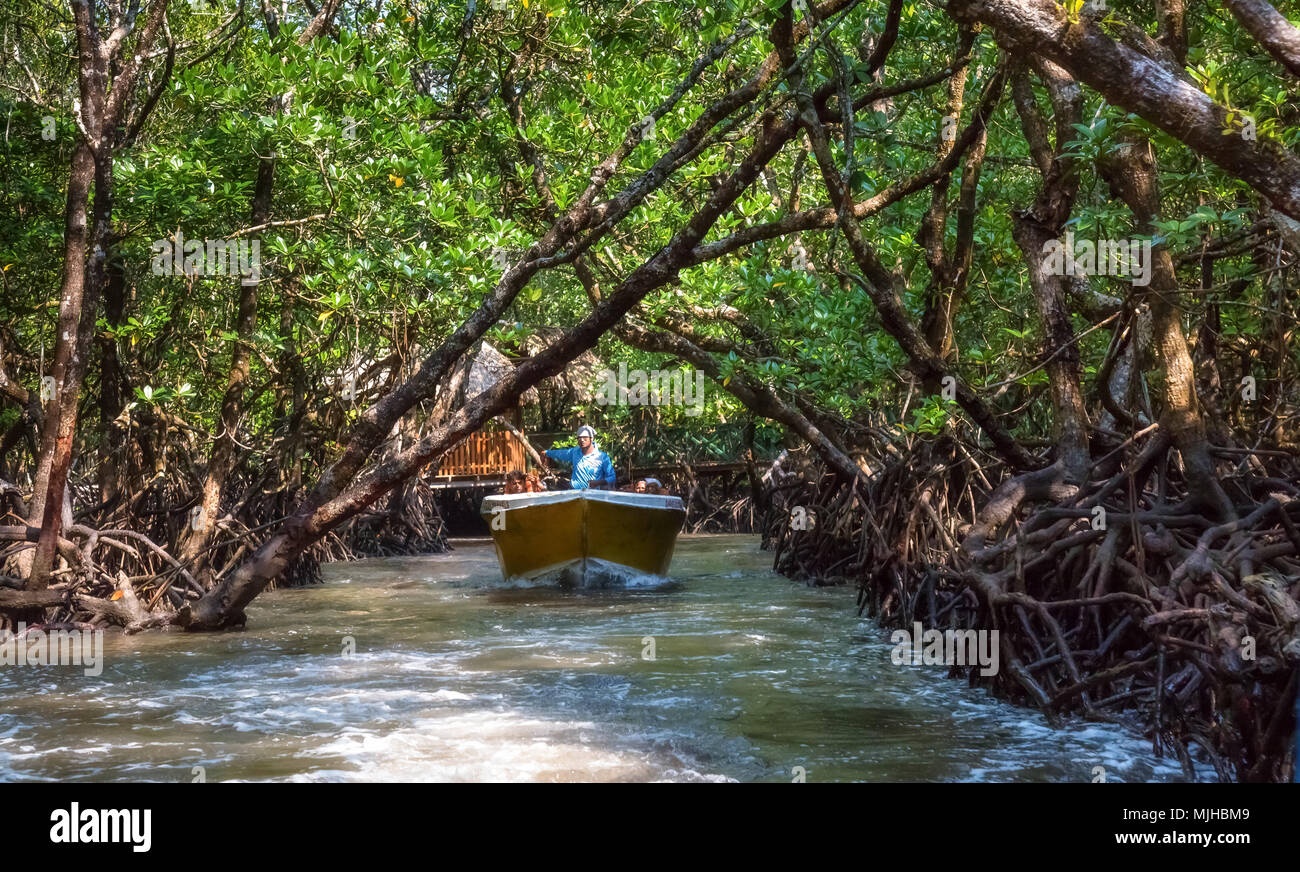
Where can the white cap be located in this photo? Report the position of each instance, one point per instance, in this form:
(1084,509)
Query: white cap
(584,430)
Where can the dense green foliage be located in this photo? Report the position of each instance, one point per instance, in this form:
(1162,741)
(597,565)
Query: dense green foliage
(398,164)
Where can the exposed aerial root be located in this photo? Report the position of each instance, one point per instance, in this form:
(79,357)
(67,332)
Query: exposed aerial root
(1109,597)
(119,570)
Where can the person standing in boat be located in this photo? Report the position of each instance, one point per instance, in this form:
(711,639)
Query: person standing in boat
(591,466)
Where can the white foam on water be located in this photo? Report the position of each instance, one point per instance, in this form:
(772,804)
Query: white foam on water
(599,575)
(496,746)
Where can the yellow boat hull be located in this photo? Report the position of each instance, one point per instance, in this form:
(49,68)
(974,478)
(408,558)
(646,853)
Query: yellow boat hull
(583,538)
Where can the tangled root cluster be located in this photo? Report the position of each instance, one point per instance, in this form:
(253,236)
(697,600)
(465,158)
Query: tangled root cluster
(1114,600)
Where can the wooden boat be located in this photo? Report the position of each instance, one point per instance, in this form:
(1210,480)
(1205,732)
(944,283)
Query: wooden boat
(583,538)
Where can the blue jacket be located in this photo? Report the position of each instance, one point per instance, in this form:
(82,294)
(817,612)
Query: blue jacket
(587,468)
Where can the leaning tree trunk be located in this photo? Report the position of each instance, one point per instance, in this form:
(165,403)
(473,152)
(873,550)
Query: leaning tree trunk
(340,495)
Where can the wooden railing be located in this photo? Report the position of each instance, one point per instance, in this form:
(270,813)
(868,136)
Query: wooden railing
(485,453)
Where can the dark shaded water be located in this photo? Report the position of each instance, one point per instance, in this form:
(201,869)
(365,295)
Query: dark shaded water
(458,676)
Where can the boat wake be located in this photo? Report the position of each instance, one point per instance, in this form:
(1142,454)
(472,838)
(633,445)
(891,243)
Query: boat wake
(595,575)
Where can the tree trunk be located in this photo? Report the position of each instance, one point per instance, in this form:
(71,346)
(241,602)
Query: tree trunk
(112,383)
(1034,229)
(222,460)
(67,370)
(1132,174)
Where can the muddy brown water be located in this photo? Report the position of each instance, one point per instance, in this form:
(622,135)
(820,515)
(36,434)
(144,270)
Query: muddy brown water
(434,669)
